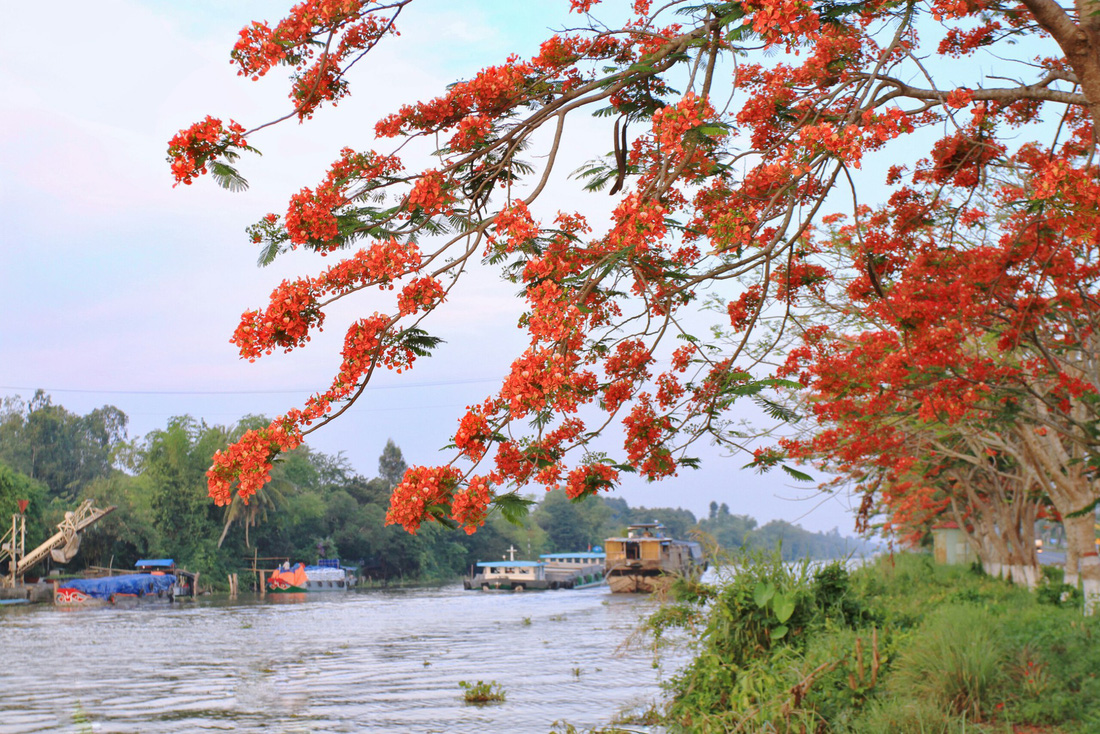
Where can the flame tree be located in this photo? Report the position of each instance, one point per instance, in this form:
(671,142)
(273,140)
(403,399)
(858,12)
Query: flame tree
(734,125)
(974,319)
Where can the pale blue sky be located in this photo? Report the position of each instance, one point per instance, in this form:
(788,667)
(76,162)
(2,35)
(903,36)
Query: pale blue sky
(118,289)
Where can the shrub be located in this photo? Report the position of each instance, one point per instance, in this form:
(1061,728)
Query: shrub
(900,645)
(956,661)
(909,716)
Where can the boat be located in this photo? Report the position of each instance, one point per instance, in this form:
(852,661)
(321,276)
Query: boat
(575,570)
(154,579)
(187,583)
(327,575)
(551,571)
(647,560)
(509,575)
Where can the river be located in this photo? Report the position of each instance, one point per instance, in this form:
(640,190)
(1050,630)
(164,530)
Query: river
(385,660)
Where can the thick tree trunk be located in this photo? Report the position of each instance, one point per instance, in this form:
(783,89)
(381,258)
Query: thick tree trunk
(994,551)
(1071,576)
(1090,582)
(1021,540)
(1079,534)
(1070,489)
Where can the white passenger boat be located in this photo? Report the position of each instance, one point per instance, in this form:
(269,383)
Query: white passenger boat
(551,571)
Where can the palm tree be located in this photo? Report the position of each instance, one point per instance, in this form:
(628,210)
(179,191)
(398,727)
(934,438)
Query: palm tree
(271,497)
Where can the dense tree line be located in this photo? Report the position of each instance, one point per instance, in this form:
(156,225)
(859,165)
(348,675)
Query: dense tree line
(315,506)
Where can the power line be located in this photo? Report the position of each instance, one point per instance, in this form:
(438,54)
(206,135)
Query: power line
(87,391)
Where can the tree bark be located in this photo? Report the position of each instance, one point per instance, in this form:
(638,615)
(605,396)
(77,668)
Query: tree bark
(1080,536)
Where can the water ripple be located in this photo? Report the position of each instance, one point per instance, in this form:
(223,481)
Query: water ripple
(368,661)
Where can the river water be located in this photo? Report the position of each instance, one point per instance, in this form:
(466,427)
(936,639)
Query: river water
(363,661)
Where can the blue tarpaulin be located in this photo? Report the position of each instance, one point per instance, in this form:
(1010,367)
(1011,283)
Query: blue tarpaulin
(155,563)
(136,584)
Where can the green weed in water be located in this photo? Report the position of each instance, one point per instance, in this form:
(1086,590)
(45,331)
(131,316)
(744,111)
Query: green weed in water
(481,693)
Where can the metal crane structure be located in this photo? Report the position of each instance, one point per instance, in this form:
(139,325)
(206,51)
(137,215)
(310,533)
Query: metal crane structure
(61,546)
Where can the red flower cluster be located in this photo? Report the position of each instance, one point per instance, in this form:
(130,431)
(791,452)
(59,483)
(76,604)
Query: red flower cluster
(311,218)
(286,323)
(544,377)
(190,150)
(248,461)
(422,294)
(355,26)
(783,21)
(471,132)
(473,432)
(646,433)
(470,506)
(672,123)
(492,90)
(425,493)
(515,226)
(589,479)
(430,194)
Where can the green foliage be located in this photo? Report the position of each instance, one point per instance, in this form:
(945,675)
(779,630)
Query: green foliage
(957,661)
(16,486)
(174,465)
(391,464)
(481,693)
(763,610)
(129,532)
(901,645)
(314,504)
(62,450)
(513,507)
(678,522)
(1055,592)
(1053,666)
(572,525)
(911,716)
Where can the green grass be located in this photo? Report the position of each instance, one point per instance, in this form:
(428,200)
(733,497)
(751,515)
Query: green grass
(901,645)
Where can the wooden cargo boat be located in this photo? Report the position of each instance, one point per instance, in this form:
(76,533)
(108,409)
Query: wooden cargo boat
(647,560)
(155,579)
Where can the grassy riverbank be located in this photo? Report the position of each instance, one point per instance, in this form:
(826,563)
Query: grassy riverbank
(900,646)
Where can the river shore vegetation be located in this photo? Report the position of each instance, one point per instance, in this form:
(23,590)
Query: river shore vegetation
(899,645)
(315,505)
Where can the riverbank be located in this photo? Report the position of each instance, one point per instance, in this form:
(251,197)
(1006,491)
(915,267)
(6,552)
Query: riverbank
(900,645)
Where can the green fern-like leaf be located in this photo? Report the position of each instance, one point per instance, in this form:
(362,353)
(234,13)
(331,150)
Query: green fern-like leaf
(775,410)
(513,508)
(419,341)
(227,177)
(268,253)
(796,474)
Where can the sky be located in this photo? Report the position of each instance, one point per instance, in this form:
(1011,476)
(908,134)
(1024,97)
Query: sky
(120,289)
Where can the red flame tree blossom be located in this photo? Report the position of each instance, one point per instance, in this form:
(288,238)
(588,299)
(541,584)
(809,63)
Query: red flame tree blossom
(959,365)
(725,154)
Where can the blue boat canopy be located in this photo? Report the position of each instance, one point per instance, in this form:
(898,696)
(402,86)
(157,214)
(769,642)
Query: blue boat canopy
(155,563)
(509,564)
(135,584)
